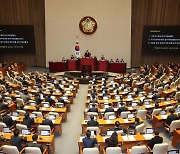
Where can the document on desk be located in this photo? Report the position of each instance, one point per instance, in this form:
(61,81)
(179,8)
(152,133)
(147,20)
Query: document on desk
(43,108)
(53,109)
(108,121)
(164,116)
(125,138)
(14,118)
(148,106)
(131,138)
(148,136)
(26,107)
(167,102)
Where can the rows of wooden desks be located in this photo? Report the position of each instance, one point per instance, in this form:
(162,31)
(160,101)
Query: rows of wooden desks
(127,141)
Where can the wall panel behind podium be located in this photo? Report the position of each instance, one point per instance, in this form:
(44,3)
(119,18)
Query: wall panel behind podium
(25,12)
(112,37)
(152,13)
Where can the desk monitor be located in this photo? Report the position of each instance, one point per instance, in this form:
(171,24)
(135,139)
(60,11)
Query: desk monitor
(52,117)
(168,98)
(111,117)
(15,114)
(59,105)
(173,152)
(46,105)
(6,130)
(130,115)
(149,130)
(25,132)
(134,104)
(33,115)
(45,132)
(109,132)
(147,102)
(32,103)
(162,112)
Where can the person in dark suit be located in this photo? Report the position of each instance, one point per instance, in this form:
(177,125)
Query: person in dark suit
(38,99)
(16,140)
(112,141)
(49,99)
(93,109)
(8,120)
(92,122)
(117,126)
(48,122)
(88,141)
(136,123)
(87,54)
(121,109)
(155,140)
(93,100)
(61,100)
(109,109)
(171,117)
(35,144)
(28,121)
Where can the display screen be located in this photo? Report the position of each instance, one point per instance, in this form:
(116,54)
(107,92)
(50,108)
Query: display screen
(158,39)
(17,38)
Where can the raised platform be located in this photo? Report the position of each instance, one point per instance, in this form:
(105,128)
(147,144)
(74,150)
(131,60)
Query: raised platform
(84,78)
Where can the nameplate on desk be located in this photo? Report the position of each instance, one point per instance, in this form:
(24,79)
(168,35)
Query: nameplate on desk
(148,136)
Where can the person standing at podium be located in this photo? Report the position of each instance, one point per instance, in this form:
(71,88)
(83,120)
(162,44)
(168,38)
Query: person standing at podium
(87,54)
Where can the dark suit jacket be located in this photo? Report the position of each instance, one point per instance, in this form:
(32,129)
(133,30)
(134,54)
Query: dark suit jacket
(155,140)
(121,109)
(38,100)
(89,142)
(8,121)
(170,118)
(111,142)
(92,123)
(28,122)
(47,122)
(109,109)
(50,100)
(36,145)
(93,109)
(17,141)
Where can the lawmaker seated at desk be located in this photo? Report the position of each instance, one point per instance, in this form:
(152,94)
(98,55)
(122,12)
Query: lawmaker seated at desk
(93,108)
(117,127)
(47,121)
(87,54)
(28,121)
(155,140)
(93,99)
(88,141)
(109,109)
(92,122)
(171,117)
(122,108)
(112,141)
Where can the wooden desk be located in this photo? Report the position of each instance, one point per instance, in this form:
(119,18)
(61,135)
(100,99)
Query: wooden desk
(127,141)
(158,120)
(104,125)
(176,137)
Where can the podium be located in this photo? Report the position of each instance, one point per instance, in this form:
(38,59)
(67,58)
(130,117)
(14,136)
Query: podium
(117,67)
(87,61)
(102,65)
(57,66)
(71,65)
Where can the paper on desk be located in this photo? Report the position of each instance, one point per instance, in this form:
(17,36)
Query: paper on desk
(43,108)
(53,109)
(129,99)
(164,116)
(148,136)
(108,121)
(166,102)
(125,138)
(148,106)
(131,138)
(14,118)
(53,121)
(26,107)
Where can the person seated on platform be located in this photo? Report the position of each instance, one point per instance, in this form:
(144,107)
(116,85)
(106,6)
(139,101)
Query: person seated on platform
(117,126)
(122,60)
(93,99)
(16,140)
(112,141)
(117,60)
(171,117)
(7,119)
(47,121)
(109,109)
(72,57)
(34,143)
(111,61)
(122,108)
(28,121)
(155,140)
(92,122)
(93,108)
(87,54)
(88,141)
(102,57)
(63,59)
